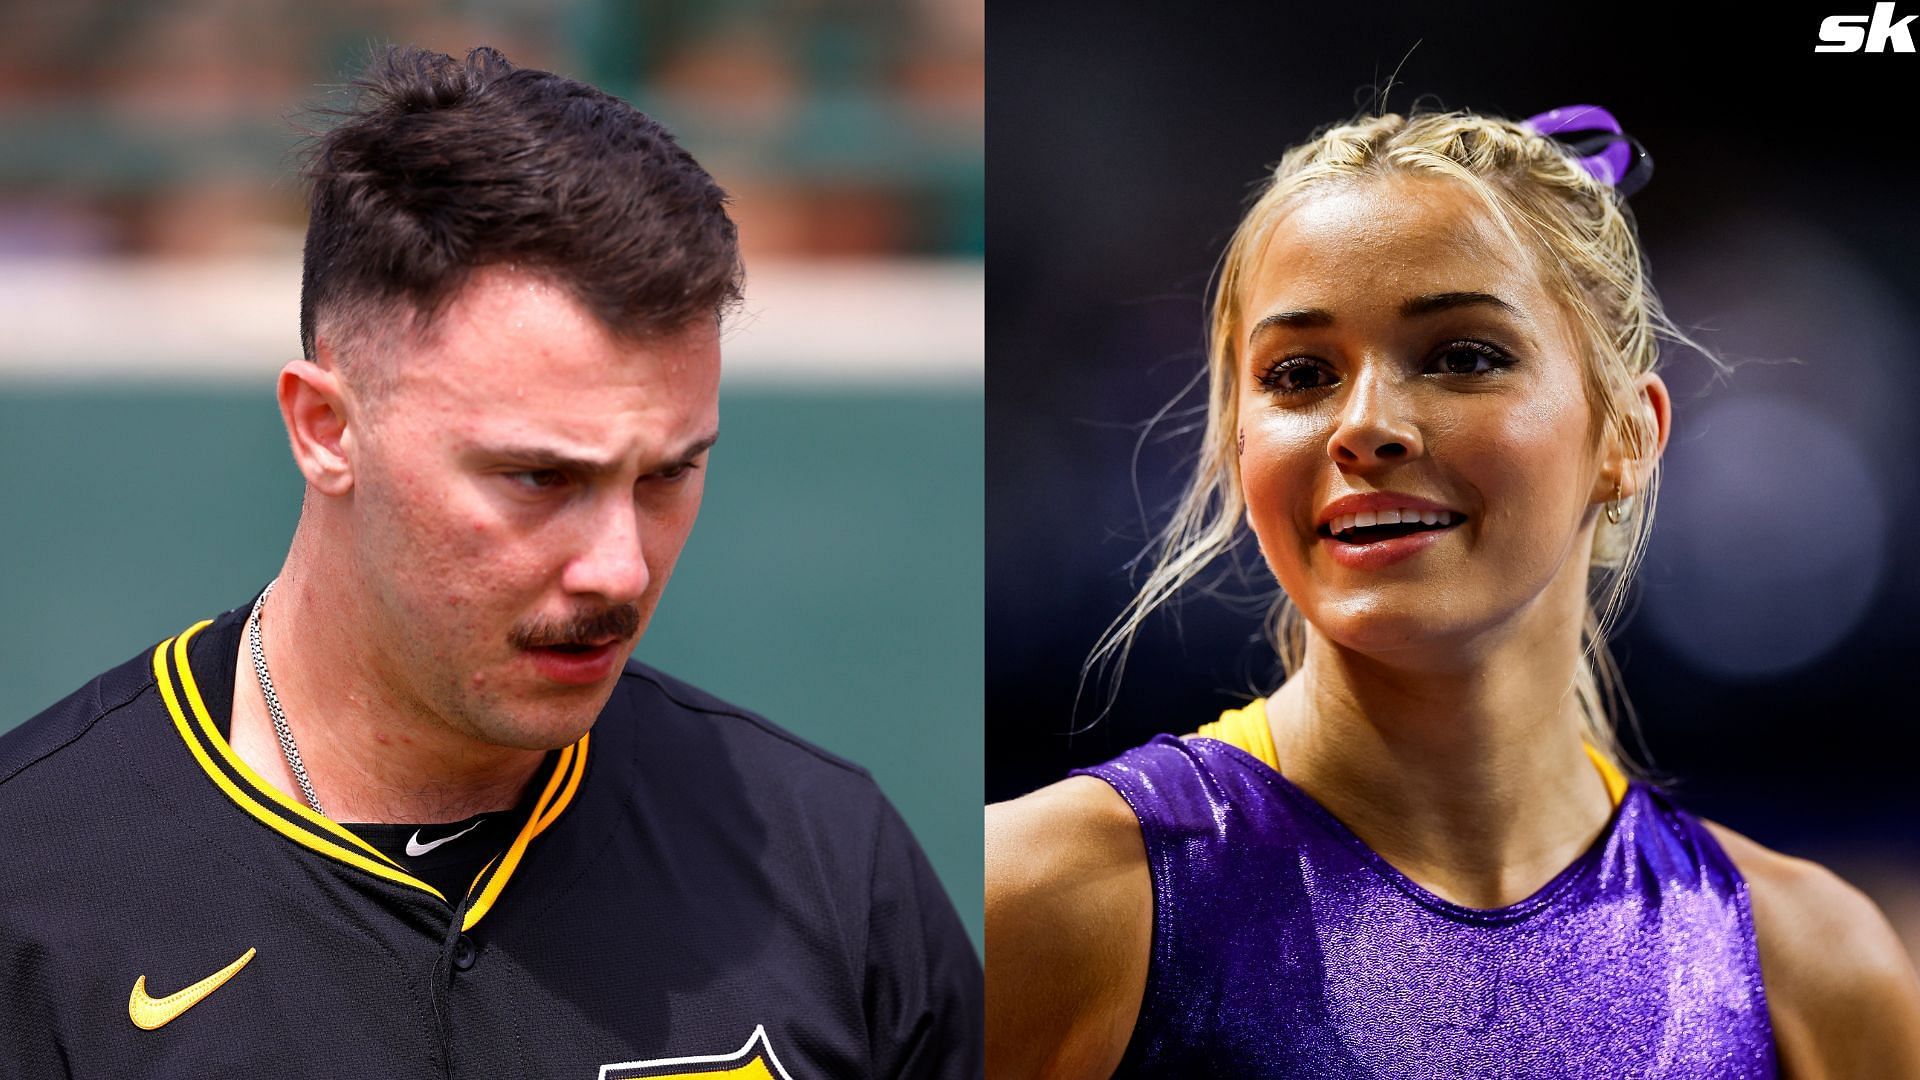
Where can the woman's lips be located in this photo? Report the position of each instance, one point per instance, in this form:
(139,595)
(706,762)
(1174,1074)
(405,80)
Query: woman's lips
(1376,554)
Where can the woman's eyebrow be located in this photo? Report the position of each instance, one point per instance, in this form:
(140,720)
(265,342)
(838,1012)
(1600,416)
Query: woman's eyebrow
(1411,308)
(1432,302)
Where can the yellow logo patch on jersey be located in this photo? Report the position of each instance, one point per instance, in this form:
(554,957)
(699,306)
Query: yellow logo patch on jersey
(149,1012)
(754,1061)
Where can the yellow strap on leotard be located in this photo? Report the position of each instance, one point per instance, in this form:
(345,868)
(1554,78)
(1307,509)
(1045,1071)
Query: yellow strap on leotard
(1616,783)
(1247,728)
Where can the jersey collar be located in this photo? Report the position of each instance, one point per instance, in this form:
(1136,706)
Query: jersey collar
(297,822)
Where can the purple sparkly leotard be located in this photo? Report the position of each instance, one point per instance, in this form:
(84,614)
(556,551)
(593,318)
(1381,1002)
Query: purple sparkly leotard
(1284,946)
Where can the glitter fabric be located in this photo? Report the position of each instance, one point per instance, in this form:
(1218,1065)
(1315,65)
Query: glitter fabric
(1284,946)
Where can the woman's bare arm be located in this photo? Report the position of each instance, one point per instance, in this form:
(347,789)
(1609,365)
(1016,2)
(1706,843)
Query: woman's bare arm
(1069,925)
(1841,988)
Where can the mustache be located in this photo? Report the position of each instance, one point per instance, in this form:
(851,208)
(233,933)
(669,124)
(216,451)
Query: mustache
(620,622)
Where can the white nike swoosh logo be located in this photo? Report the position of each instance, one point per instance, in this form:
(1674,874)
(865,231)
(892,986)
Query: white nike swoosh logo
(415,847)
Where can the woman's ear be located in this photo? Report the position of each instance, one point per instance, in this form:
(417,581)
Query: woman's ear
(1652,419)
(1630,460)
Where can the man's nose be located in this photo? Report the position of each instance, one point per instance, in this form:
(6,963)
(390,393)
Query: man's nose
(613,563)
(1376,424)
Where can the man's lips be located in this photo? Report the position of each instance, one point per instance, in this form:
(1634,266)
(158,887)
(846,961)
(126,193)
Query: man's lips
(575,646)
(577,664)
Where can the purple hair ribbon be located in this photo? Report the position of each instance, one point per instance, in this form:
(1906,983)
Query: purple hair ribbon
(1609,154)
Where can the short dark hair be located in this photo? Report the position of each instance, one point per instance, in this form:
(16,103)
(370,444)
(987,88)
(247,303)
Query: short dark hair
(439,167)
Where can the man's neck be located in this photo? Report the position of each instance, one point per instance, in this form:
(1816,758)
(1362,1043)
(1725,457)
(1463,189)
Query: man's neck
(371,754)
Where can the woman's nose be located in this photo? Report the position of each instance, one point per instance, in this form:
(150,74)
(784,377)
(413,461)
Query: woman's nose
(1375,425)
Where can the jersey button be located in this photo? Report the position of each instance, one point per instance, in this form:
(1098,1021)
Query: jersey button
(463,953)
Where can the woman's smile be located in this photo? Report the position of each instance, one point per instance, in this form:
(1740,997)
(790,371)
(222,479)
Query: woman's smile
(1377,529)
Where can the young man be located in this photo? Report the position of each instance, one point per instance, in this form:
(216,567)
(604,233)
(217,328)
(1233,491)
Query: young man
(412,811)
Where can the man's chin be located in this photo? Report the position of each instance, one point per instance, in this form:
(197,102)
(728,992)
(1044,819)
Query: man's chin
(538,729)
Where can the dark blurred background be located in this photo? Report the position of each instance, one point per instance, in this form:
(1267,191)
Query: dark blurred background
(1771,643)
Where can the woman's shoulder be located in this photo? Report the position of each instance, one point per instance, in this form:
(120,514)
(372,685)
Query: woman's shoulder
(1842,991)
(1080,823)
(1069,855)
(1069,923)
(1084,830)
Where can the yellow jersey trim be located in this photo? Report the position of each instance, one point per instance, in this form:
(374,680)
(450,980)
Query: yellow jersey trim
(244,799)
(1248,729)
(318,833)
(553,799)
(211,733)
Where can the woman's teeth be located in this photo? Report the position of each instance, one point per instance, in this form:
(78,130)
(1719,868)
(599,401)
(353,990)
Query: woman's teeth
(1348,522)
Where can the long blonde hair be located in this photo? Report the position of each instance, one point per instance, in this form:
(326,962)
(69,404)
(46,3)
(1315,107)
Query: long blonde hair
(1588,252)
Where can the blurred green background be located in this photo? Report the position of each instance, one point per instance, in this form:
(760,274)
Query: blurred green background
(150,225)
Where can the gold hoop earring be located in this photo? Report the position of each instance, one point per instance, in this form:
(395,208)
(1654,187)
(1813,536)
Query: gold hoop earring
(1615,512)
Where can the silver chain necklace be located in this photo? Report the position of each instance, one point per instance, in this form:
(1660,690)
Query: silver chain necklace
(287,749)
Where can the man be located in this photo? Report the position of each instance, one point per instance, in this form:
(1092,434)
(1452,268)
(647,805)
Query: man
(412,812)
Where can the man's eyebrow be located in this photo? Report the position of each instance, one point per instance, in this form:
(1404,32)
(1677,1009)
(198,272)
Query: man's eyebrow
(1412,308)
(696,448)
(544,457)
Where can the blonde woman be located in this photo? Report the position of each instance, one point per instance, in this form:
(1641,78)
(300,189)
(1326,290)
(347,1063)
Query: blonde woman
(1433,403)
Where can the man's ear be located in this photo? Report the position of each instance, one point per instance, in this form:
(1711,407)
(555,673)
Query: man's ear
(1628,468)
(317,409)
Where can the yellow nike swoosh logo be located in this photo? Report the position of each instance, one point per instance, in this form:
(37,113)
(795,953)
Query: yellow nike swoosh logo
(151,1012)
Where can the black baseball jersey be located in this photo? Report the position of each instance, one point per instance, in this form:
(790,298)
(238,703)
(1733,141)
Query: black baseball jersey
(687,891)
